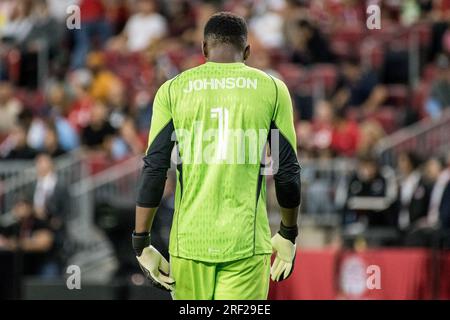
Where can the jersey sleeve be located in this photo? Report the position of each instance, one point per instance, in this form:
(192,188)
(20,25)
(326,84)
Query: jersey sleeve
(284,155)
(157,157)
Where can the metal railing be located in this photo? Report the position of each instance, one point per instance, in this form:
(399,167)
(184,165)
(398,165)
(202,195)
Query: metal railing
(19,177)
(426,137)
(115,184)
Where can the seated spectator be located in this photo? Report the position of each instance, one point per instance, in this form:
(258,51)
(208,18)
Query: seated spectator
(439,98)
(99,133)
(10,107)
(80,109)
(369,197)
(56,111)
(420,232)
(51,141)
(29,235)
(103,80)
(358,88)
(322,126)
(15,146)
(371,132)
(333,132)
(309,45)
(142,29)
(420,201)
(20,23)
(119,105)
(345,136)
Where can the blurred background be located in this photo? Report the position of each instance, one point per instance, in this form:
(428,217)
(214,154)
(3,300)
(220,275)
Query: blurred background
(372,118)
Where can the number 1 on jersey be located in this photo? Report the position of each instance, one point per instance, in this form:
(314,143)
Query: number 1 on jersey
(221,114)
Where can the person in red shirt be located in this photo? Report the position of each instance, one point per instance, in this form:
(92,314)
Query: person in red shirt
(345,135)
(94,24)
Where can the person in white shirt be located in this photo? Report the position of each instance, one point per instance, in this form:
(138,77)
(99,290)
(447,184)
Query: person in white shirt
(409,178)
(142,29)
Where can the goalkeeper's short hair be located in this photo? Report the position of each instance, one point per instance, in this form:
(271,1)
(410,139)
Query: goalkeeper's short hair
(226,27)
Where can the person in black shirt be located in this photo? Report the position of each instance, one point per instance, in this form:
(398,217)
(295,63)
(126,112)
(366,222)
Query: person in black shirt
(358,88)
(99,132)
(370,195)
(28,236)
(310,46)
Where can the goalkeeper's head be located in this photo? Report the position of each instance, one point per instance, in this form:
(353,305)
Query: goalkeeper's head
(225,38)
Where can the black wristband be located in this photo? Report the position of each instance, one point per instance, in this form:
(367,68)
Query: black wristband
(140,241)
(289,233)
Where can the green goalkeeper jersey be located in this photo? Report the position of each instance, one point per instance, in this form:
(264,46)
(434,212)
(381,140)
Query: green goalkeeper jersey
(221,115)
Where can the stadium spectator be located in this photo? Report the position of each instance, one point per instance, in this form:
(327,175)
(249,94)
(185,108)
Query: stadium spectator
(309,46)
(56,111)
(94,27)
(358,88)
(80,109)
(29,235)
(369,197)
(444,208)
(143,28)
(10,107)
(98,135)
(267,27)
(439,213)
(129,136)
(439,97)
(332,132)
(51,142)
(345,135)
(118,104)
(46,33)
(58,9)
(50,194)
(322,126)
(408,168)
(438,197)
(15,146)
(20,23)
(103,80)
(420,231)
(371,132)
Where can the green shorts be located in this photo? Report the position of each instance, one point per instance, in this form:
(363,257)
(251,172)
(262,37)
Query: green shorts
(246,279)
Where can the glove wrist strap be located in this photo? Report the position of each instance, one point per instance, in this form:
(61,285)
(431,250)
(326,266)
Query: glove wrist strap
(140,242)
(289,233)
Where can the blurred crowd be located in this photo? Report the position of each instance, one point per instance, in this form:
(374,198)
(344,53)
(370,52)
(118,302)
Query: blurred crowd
(92,88)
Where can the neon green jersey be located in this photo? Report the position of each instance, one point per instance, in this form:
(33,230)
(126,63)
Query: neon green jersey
(222,114)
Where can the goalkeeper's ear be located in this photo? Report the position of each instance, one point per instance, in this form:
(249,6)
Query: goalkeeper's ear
(246,52)
(205,49)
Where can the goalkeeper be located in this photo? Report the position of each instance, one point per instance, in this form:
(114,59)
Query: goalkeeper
(220,241)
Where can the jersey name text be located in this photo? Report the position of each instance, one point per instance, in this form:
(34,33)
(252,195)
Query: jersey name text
(222,83)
